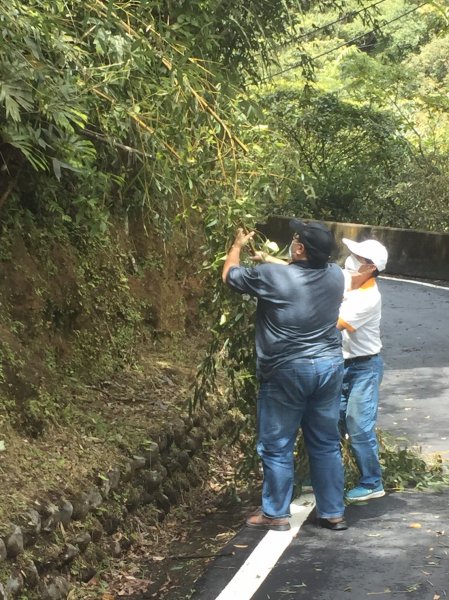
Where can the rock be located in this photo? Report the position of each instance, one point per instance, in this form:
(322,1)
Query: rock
(63,585)
(96,531)
(94,498)
(81,506)
(14,541)
(195,439)
(192,444)
(48,556)
(182,481)
(151,480)
(163,471)
(46,508)
(127,471)
(30,573)
(147,498)
(50,524)
(161,516)
(179,432)
(3,552)
(70,552)
(183,459)
(65,511)
(193,477)
(214,430)
(52,514)
(138,462)
(188,421)
(134,498)
(171,464)
(211,411)
(57,590)
(163,502)
(151,515)
(15,584)
(82,540)
(201,418)
(171,493)
(104,486)
(111,522)
(114,478)
(86,573)
(151,453)
(115,550)
(198,434)
(31,523)
(109,482)
(125,543)
(169,434)
(162,440)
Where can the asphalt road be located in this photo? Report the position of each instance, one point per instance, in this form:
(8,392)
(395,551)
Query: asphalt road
(398,546)
(415,392)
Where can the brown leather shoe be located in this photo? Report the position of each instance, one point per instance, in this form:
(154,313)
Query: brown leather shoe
(260,521)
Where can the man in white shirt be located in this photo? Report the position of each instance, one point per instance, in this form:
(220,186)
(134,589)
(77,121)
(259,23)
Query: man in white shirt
(359,322)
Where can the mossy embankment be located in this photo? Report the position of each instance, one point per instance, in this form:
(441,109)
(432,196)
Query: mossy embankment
(99,347)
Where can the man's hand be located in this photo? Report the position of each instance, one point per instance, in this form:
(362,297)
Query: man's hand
(242,238)
(259,256)
(264,257)
(233,257)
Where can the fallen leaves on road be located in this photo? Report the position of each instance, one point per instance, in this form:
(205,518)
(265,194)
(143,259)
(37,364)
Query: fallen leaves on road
(131,585)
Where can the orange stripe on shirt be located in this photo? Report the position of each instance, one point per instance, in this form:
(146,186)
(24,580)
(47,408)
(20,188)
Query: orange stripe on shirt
(369,283)
(344,325)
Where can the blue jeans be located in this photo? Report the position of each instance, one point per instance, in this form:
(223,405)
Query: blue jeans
(302,393)
(358,415)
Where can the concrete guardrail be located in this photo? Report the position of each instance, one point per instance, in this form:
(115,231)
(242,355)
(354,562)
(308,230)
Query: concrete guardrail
(412,253)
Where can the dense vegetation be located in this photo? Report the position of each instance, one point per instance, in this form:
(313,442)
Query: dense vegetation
(110,107)
(190,118)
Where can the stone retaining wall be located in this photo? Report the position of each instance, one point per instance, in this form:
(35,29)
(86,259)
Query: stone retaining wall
(412,253)
(60,540)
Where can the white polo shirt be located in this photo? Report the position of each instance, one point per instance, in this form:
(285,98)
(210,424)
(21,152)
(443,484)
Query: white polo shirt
(360,314)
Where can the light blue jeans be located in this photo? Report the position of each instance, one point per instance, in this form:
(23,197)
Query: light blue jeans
(302,393)
(358,414)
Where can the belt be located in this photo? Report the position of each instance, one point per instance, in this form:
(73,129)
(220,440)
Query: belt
(355,359)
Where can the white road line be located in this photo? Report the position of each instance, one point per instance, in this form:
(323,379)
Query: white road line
(432,285)
(258,565)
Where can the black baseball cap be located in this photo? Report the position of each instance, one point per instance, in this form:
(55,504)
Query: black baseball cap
(318,240)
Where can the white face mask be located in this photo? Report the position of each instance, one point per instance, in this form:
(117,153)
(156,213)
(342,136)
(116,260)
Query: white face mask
(290,252)
(352,264)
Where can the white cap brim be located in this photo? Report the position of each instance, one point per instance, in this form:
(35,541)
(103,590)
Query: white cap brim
(352,246)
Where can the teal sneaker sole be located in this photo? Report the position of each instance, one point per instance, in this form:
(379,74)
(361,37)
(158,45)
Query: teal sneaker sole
(368,496)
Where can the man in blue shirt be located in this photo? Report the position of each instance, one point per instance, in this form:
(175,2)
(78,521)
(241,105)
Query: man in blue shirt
(300,368)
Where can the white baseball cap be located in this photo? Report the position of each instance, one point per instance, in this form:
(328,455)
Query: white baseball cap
(370,249)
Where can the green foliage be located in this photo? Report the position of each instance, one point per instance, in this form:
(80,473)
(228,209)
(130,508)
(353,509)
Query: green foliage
(124,103)
(402,467)
(343,152)
(406,467)
(370,128)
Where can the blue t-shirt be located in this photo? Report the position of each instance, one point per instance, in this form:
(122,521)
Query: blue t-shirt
(297,310)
